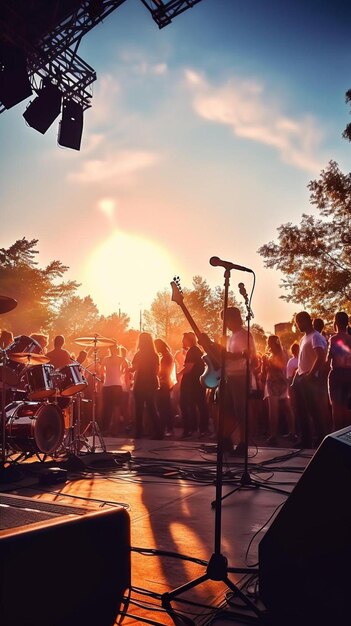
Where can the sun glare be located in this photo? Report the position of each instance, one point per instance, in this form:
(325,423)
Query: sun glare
(125,272)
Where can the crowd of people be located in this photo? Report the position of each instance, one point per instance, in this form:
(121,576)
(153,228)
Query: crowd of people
(301,396)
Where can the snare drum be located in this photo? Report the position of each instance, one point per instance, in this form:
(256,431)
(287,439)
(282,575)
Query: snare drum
(40,381)
(34,427)
(71,380)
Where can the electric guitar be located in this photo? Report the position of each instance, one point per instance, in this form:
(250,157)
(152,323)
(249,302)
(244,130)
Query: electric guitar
(212,374)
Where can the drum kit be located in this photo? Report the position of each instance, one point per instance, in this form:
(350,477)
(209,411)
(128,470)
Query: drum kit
(41,406)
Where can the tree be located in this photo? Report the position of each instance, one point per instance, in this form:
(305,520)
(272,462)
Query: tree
(259,336)
(347,132)
(114,326)
(166,320)
(76,317)
(38,292)
(315,257)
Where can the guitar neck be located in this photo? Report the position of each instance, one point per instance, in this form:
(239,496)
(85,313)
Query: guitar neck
(191,321)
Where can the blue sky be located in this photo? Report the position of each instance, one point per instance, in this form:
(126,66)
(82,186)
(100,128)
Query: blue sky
(201,140)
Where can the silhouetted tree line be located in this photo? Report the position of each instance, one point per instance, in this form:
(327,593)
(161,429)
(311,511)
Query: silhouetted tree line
(314,258)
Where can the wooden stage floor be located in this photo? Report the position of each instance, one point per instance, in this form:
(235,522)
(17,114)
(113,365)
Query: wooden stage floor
(168,489)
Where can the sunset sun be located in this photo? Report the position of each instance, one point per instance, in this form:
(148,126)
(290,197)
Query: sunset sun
(125,272)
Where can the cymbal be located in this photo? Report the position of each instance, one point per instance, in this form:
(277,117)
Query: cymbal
(7,304)
(28,358)
(99,342)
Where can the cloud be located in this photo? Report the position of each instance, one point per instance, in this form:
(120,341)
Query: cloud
(245,107)
(106,90)
(107,206)
(118,168)
(139,64)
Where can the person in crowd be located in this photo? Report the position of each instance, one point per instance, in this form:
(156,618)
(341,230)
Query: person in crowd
(179,358)
(318,325)
(292,364)
(339,381)
(111,372)
(311,361)
(145,366)
(126,388)
(6,338)
(59,357)
(166,383)
(192,397)
(82,355)
(322,380)
(291,369)
(276,388)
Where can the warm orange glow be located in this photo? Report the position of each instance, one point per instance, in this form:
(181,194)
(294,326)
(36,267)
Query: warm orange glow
(125,272)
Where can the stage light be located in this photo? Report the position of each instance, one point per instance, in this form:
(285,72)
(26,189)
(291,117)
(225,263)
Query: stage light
(14,81)
(41,113)
(71,125)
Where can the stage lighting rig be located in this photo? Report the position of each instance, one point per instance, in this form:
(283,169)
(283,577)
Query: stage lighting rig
(164,12)
(47,36)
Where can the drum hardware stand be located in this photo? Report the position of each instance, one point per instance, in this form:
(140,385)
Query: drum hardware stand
(5,454)
(3,412)
(217,567)
(93,428)
(76,441)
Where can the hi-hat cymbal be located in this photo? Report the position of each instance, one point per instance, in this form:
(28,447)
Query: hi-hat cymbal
(99,342)
(7,304)
(28,358)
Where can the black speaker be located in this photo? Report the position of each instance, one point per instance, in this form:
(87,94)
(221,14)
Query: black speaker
(71,125)
(45,108)
(68,570)
(305,555)
(14,81)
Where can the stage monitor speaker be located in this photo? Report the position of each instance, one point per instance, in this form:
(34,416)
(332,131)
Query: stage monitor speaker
(68,570)
(305,555)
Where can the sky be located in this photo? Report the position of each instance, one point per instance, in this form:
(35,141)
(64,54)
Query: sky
(201,140)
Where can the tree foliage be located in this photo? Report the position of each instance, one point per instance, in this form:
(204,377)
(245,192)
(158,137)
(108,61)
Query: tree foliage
(347,132)
(260,337)
(315,256)
(48,304)
(39,292)
(166,320)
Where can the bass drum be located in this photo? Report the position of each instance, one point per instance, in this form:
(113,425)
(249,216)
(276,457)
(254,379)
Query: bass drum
(34,427)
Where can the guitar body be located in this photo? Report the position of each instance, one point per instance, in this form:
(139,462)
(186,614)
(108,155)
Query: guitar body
(211,376)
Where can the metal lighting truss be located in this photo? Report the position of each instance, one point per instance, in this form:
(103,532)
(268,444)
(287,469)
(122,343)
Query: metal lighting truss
(164,12)
(51,46)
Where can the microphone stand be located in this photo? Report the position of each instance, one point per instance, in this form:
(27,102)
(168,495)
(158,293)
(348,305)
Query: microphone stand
(246,480)
(217,567)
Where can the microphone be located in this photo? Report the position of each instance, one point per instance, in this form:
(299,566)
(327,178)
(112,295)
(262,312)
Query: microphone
(242,290)
(228,265)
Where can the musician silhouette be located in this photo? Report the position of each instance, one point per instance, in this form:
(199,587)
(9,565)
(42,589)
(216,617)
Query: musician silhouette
(192,400)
